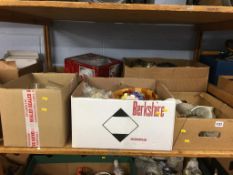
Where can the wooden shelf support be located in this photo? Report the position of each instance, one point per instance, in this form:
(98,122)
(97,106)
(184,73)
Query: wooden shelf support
(47,44)
(197,47)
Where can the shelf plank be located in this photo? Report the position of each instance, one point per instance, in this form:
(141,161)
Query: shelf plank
(17,17)
(69,150)
(109,12)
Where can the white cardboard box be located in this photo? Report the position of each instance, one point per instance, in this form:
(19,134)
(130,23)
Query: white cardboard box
(121,124)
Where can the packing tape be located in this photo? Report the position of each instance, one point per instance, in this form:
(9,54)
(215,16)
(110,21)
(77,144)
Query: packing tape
(31,118)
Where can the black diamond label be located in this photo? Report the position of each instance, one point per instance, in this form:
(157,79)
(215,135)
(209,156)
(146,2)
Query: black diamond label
(120,137)
(120,125)
(120,113)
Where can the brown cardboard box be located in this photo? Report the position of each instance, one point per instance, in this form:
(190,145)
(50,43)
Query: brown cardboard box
(227,164)
(187,76)
(189,136)
(7,166)
(20,159)
(37,117)
(9,70)
(226,83)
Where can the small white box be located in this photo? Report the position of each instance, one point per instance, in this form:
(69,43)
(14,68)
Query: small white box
(121,124)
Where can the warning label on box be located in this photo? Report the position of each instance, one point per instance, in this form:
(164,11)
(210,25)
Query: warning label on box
(31,118)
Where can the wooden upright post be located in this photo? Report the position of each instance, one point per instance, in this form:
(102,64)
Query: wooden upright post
(47,43)
(198,42)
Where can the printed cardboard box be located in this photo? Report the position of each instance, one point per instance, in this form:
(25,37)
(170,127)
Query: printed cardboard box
(190,136)
(187,76)
(38,116)
(9,70)
(226,83)
(121,124)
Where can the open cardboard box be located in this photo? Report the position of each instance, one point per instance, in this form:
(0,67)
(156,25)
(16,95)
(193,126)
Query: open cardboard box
(9,70)
(188,129)
(226,83)
(188,76)
(37,117)
(122,124)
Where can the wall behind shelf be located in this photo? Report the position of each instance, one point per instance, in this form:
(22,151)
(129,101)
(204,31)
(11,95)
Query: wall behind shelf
(116,40)
(122,40)
(20,37)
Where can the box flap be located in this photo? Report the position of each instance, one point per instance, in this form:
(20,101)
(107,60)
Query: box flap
(8,71)
(116,83)
(226,83)
(163,91)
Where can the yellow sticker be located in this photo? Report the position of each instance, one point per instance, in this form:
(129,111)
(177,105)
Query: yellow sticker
(183,131)
(165,110)
(186,141)
(44,109)
(45,98)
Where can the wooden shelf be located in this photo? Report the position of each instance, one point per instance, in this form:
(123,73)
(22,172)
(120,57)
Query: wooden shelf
(108,12)
(69,150)
(44,12)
